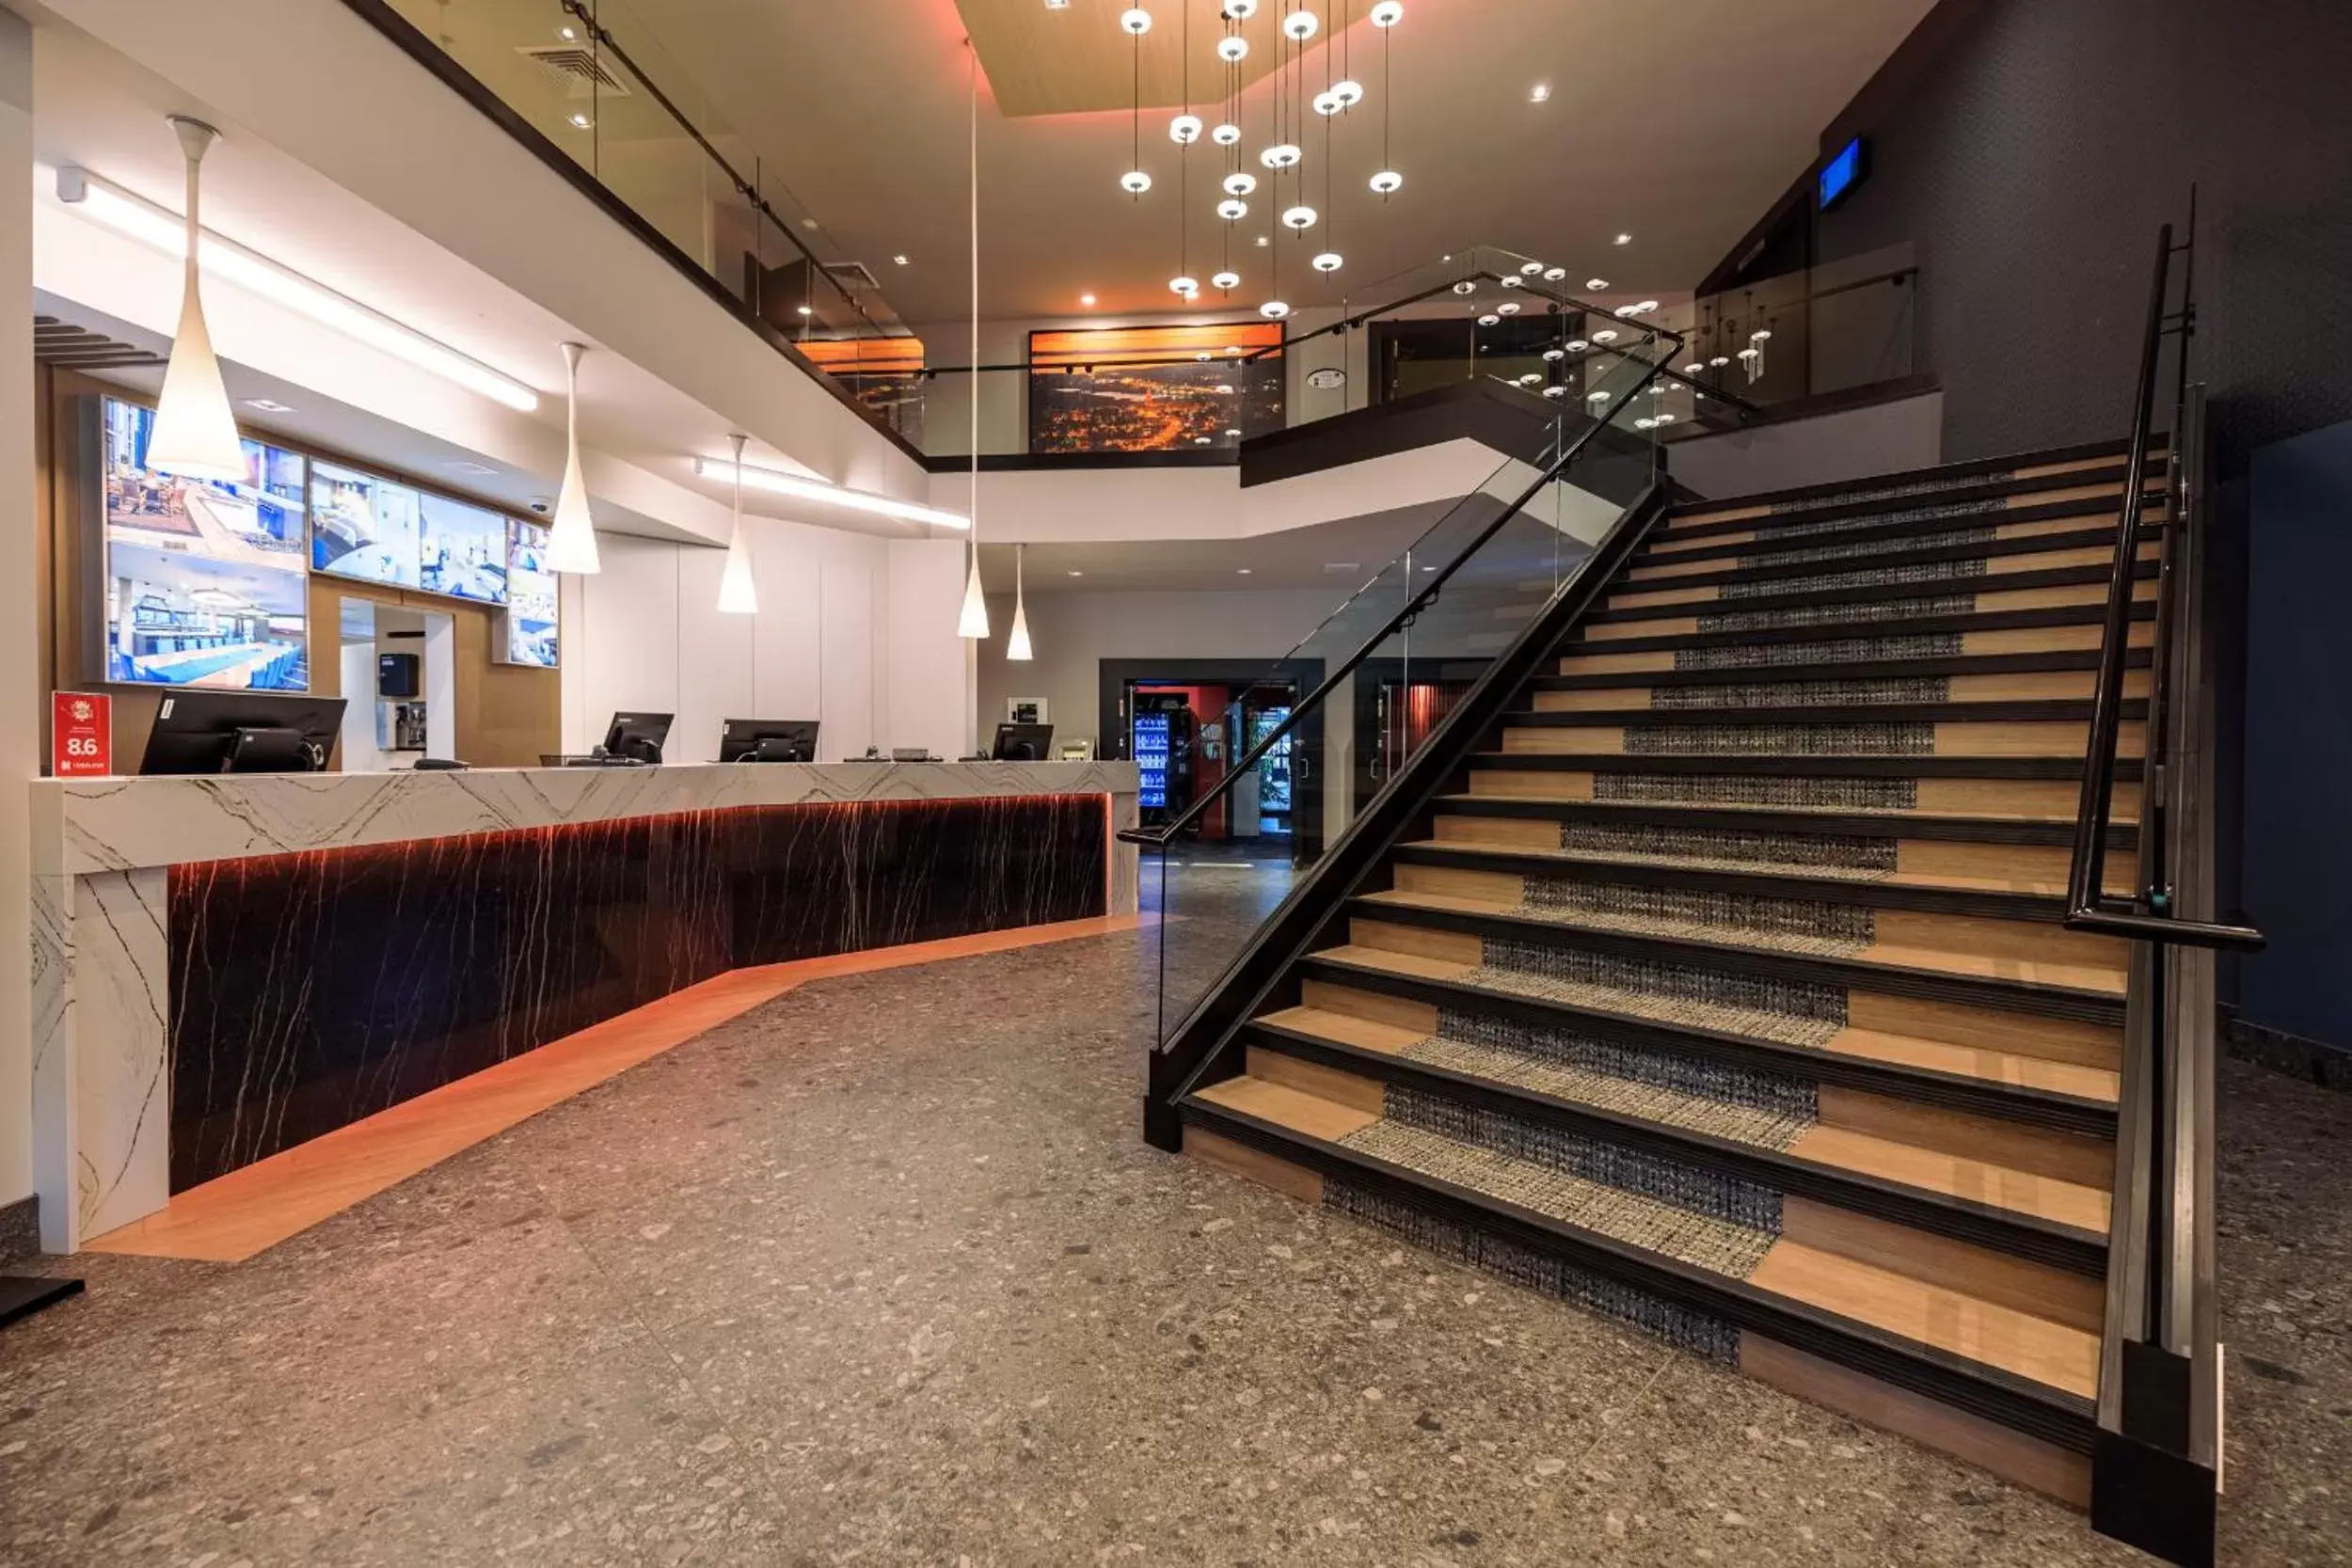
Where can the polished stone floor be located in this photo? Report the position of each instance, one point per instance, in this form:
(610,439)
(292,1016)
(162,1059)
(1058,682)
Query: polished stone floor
(881,1273)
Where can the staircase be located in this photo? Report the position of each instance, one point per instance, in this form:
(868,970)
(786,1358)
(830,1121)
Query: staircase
(1722,987)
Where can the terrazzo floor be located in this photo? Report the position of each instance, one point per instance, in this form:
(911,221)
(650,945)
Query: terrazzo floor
(882,1272)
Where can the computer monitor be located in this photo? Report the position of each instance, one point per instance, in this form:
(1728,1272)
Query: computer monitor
(637,736)
(241,732)
(1022,742)
(768,740)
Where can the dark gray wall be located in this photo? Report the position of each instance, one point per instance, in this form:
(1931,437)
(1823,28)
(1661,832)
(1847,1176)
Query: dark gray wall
(2030,149)
(2298,835)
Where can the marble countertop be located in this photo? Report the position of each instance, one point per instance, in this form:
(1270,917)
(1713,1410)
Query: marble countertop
(82,826)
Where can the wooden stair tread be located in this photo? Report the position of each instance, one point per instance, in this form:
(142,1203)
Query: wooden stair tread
(1921,880)
(1345,1029)
(1967,966)
(1977,1180)
(1895,820)
(1291,1109)
(2011,1069)
(2050,1353)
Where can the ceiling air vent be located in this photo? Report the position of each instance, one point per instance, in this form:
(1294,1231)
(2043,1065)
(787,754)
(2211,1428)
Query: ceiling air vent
(853,274)
(577,69)
(56,342)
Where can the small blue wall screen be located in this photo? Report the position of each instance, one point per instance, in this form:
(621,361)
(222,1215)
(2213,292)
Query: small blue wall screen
(1841,174)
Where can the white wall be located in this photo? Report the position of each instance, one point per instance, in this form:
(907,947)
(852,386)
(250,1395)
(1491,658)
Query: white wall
(361,676)
(929,670)
(644,634)
(21,685)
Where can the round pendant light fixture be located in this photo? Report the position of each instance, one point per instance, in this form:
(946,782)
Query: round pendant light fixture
(1387,183)
(1282,155)
(1225,280)
(1326,103)
(1301,217)
(1387,14)
(1240,10)
(1135,20)
(1349,92)
(1300,26)
(1508,307)
(1184,130)
(1274,309)
(1490,319)
(1185,286)
(1329,261)
(1233,209)
(1227,135)
(1553,275)
(1597,285)
(1134,182)
(1233,51)
(1238,183)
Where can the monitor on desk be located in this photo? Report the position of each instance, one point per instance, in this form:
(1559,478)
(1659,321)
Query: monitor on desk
(768,740)
(1022,742)
(637,736)
(240,732)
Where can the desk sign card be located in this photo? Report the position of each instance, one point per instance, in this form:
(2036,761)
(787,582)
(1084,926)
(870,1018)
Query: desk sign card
(81,735)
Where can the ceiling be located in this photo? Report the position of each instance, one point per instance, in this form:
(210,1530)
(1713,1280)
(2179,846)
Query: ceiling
(1339,557)
(1680,125)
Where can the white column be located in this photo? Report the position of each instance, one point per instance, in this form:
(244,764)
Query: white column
(22,688)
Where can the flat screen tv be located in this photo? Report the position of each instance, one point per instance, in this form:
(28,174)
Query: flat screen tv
(205,583)
(365,528)
(531,613)
(1842,173)
(464,550)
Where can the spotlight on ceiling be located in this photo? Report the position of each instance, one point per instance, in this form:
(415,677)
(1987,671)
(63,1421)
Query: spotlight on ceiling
(1540,93)
(1623,239)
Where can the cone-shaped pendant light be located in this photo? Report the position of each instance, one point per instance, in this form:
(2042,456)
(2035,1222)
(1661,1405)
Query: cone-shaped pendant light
(1017,645)
(973,621)
(738,596)
(572,542)
(194,433)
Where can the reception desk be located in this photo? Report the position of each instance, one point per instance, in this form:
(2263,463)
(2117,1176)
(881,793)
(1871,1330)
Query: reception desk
(225,967)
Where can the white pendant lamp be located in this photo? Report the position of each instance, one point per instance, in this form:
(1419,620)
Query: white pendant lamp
(738,596)
(1017,645)
(194,433)
(572,539)
(972,621)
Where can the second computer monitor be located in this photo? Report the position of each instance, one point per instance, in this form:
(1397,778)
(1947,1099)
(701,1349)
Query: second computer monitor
(637,736)
(768,740)
(1023,742)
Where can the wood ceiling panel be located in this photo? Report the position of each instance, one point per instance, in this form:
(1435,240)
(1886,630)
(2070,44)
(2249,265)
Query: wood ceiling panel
(1076,59)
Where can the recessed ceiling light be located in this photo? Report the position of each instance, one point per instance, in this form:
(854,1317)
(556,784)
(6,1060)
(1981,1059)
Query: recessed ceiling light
(1243,571)
(899,259)
(567,34)
(1625,239)
(1263,241)
(267,406)
(806,311)
(1540,93)
(1075,573)
(1086,299)
(1056,4)
(581,120)
(1342,565)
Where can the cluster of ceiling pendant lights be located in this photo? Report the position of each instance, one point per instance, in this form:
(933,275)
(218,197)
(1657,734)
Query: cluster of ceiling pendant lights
(1282,156)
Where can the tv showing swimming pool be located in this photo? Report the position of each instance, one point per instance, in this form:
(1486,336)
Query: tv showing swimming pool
(365,528)
(206,582)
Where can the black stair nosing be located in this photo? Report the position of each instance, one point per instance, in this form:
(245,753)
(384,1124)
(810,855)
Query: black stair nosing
(1801,820)
(1854,500)
(1653,551)
(2032,998)
(1998,1230)
(2029,1107)
(1587,866)
(1895,554)
(1860,593)
(2118,451)
(1951,667)
(2127,769)
(2006,710)
(1962,621)
(1991,1393)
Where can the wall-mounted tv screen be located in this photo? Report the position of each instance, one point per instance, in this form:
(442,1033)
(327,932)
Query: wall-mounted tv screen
(531,613)
(464,550)
(364,527)
(205,582)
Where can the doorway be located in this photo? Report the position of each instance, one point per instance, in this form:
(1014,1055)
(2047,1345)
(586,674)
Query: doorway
(399,683)
(1184,722)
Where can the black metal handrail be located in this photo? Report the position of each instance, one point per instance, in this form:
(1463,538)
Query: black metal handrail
(1160,837)
(2088,905)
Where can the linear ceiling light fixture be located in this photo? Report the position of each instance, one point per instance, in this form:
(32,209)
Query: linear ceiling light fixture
(99,199)
(738,593)
(196,432)
(803,487)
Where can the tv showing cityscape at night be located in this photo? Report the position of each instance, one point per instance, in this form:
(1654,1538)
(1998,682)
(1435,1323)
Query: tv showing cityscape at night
(1154,389)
